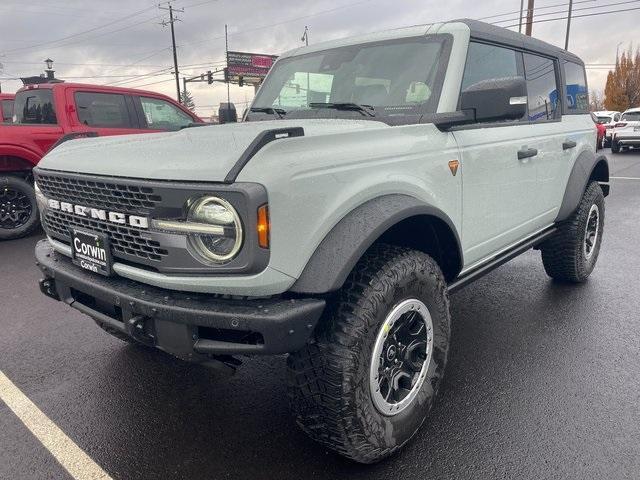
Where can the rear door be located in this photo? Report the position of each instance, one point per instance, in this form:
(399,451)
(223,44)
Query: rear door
(564,137)
(500,187)
(105,113)
(553,136)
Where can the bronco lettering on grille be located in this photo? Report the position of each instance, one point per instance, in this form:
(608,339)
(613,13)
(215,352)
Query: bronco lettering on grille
(98,214)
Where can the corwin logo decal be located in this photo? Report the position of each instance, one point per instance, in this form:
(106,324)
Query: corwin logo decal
(98,214)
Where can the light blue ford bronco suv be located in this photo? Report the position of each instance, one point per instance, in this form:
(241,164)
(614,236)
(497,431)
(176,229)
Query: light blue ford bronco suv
(371,178)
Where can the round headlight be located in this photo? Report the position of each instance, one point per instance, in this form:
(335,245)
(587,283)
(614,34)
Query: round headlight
(223,245)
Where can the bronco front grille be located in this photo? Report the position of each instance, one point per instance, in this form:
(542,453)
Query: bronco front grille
(130,199)
(124,240)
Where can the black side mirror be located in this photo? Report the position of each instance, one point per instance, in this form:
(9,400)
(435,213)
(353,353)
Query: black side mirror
(496,99)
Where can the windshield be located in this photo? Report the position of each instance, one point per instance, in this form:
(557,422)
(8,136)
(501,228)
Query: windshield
(631,116)
(34,107)
(399,78)
(7,110)
(604,119)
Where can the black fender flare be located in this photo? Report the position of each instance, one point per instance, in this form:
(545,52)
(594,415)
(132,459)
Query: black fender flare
(587,166)
(344,245)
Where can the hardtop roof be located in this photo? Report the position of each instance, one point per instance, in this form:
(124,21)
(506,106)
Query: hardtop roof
(479,30)
(493,33)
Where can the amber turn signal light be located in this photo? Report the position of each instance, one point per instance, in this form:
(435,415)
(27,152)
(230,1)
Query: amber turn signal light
(263,226)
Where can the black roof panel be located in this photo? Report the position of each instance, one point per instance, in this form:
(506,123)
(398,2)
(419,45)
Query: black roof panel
(493,33)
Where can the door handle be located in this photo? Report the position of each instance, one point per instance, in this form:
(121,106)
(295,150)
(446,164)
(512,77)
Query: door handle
(566,145)
(527,153)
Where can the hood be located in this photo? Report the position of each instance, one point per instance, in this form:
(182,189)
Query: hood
(193,154)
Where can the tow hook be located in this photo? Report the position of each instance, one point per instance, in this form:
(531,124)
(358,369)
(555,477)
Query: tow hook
(138,330)
(48,287)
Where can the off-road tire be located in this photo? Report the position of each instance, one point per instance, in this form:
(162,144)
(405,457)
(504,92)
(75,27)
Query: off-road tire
(563,254)
(26,188)
(615,147)
(328,380)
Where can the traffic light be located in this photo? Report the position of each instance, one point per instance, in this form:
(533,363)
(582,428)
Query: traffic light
(209,77)
(241,81)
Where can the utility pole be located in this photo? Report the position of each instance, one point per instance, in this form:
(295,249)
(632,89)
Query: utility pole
(566,40)
(226,47)
(305,39)
(520,22)
(172,20)
(529,17)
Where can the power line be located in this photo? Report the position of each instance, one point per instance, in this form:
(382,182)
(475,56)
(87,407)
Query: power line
(544,7)
(261,27)
(580,16)
(77,34)
(563,11)
(85,64)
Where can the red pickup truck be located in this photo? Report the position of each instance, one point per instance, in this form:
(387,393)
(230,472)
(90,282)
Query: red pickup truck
(6,107)
(46,115)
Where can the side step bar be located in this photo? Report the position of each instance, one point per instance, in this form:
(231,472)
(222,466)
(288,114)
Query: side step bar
(500,259)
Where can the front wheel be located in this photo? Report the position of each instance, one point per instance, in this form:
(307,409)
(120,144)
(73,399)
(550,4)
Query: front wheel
(366,383)
(571,254)
(18,208)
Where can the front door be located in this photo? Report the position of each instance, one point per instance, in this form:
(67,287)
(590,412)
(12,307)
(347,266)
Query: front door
(501,191)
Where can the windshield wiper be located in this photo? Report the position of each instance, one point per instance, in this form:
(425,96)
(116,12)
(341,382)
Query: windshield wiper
(273,111)
(364,109)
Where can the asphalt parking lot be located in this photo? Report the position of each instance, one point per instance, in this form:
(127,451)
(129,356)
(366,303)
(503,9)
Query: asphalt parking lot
(543,381)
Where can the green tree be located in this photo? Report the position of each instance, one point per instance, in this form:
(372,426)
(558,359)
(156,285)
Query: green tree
(623,82)
(186,99)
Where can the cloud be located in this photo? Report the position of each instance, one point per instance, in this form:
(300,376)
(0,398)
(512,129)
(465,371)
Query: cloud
(127,38)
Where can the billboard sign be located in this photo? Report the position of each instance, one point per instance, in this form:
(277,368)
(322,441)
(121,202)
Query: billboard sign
(252,67)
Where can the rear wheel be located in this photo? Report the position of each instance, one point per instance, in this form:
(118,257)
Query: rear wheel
(366,383)
(18,208)
(571,254)
(615,147)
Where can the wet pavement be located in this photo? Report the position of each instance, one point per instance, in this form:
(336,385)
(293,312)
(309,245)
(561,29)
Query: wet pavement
(543,381)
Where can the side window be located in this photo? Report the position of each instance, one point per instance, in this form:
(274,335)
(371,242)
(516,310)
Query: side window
(161,115)
(616,117)
(35,107)
(7,110)
(485,62)
(577,94)
(542,88)
(102,110)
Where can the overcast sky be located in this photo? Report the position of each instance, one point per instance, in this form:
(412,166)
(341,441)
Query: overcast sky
(114,38)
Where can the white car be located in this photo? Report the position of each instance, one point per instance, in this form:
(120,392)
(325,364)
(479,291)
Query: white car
(609,119)
(626,133)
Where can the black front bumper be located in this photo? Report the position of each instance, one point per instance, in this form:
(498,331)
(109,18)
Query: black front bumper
(191,326)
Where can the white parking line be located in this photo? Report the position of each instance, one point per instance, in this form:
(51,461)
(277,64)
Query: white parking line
(624,178)
(64,450)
